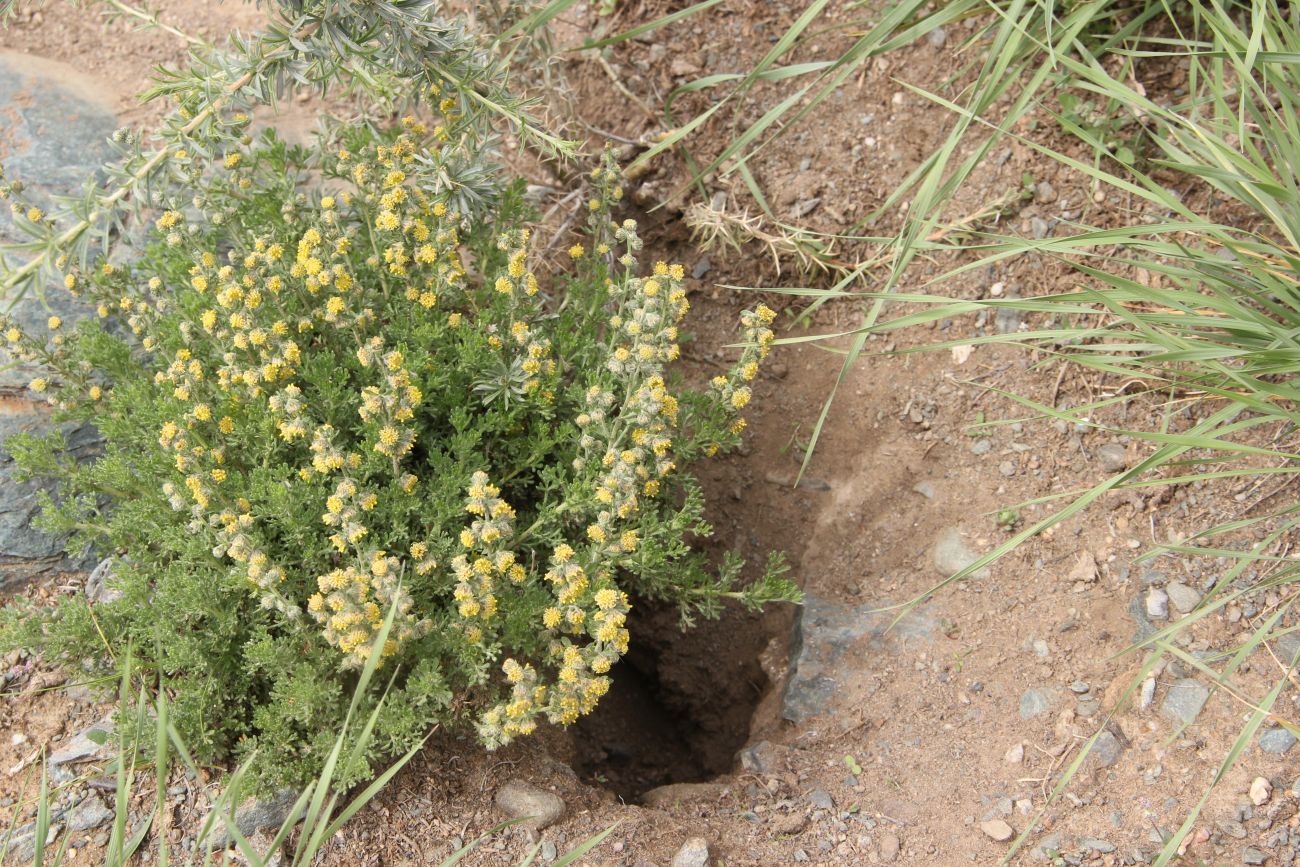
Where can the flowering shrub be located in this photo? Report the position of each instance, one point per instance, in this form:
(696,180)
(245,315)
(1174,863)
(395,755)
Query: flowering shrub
(330,396)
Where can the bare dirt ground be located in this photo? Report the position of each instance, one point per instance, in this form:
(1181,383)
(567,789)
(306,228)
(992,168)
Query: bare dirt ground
(933,733)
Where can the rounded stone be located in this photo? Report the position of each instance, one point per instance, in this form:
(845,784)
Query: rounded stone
(538,807)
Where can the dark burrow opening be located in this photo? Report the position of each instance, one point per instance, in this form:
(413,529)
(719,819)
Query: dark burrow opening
(681,703)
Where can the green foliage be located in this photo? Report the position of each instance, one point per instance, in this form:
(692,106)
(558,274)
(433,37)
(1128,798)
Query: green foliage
(327,393)
(319,812)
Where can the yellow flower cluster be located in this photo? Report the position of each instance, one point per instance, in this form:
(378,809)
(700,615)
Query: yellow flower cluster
(733,390)
(236,540)
(353,602)
(488,562)
(343,510)
(516,715)
(392,404)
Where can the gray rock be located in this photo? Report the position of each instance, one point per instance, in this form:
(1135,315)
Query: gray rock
(1184,598)
(1087,709)
(763,757)
(1046,848)
(54,137)
(520,800)
(1078,687)
(981,446)
(824,630)
(100,588)
(91,812)
(1184,701)
(925,489)
(1288,647)
(1251,855)
(702,266)
(85,746)
(549,852)
(1276,741)
(1157,604)
(1148,693)
(1034,702)
(821,799)
(1137,611)
(253,815)
(672,794)
(20,846)
(951,555)
(1044,193)
(694,853)
(1096,845)
(1112,457)
(25,551)
(1232,828)
(1007,320)
(937,37)
(1106,750)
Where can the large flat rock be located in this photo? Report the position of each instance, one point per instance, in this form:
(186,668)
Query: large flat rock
(54,129)
(830,647)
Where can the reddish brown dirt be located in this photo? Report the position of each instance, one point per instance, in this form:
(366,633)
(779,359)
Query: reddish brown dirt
(914,756)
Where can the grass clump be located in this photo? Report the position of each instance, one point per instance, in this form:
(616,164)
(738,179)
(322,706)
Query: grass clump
(329,389)
(1194,308)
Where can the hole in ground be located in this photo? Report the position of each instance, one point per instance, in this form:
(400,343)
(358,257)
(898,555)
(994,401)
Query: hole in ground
(681,703)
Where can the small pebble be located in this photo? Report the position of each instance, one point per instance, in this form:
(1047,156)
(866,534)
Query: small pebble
(997,829)
(890,846)
(1157,604)
(821,799)
(1260,790)
(694,853)
(520,800)
(1112,457)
